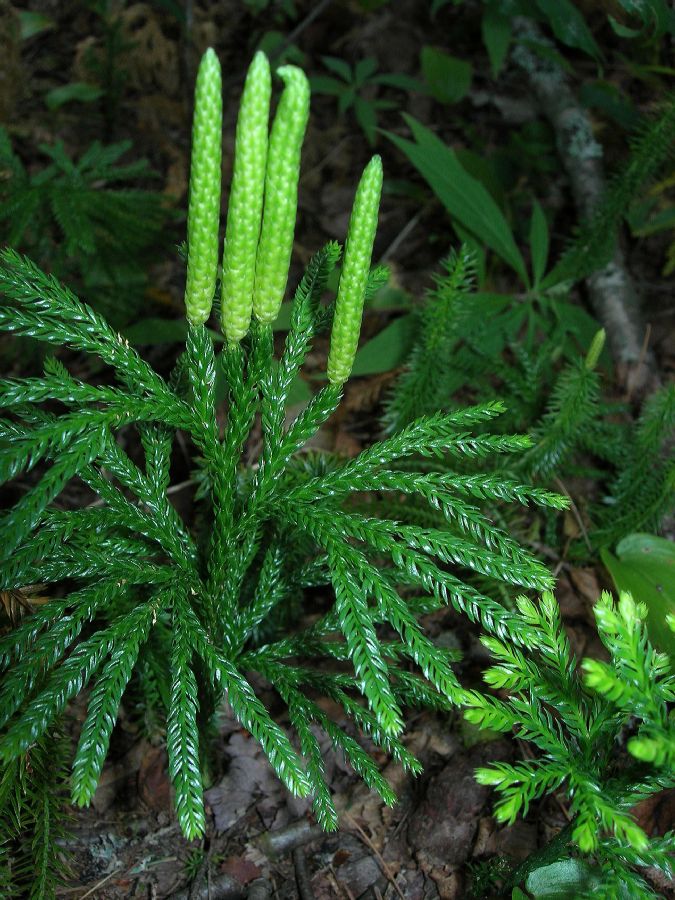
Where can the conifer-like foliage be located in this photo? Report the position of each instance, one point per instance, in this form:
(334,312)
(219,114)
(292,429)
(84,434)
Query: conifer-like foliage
(576,722)
(201,613)
(82,219)
(33,821)
(551,390)
(593,244)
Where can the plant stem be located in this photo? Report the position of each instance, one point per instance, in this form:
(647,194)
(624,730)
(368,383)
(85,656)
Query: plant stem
(550,853)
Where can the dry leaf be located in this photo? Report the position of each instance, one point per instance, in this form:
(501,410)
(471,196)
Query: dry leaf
(152,61)
(586,582)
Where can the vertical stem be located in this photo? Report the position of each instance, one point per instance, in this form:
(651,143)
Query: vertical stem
(552,852)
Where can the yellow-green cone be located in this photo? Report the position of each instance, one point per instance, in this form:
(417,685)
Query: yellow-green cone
(354,278)
(595,349)
(281,195)
(204,206)
(244,212)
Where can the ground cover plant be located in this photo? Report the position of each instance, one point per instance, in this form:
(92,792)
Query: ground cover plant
(552,387)
(136,566)
(78,218)
(575,720)
(241,569)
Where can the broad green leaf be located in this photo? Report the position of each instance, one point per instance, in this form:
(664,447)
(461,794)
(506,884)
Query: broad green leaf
(644,566)
(497,34)
(548,52)
(483,170)
(569,26)
(386,350)
(400,81)
(657,16)
(448,77)
(346,99)
(76,90)
(464,197)
(389,297)
(33,23)
(364,69)
(538,242)
(579,325)
(611,101)
(324,84)
(623,30)
(339,66)
(563,880)
(367,118)
(506,321)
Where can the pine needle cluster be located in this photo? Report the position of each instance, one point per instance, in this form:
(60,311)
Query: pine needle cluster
(81,219)
(576,722)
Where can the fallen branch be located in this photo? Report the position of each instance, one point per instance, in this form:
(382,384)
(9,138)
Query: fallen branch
(611,290)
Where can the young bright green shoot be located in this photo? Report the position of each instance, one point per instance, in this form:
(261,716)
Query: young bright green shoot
(204,208)
(576,724)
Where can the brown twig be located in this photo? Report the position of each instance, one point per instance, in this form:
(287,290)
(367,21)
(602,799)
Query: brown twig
(611,289)
(285,840)
(386,871)
(575,511)
(302,881)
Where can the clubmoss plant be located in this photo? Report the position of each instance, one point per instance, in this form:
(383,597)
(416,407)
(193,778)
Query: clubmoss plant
(202,611)
(576,723)
(82,217)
